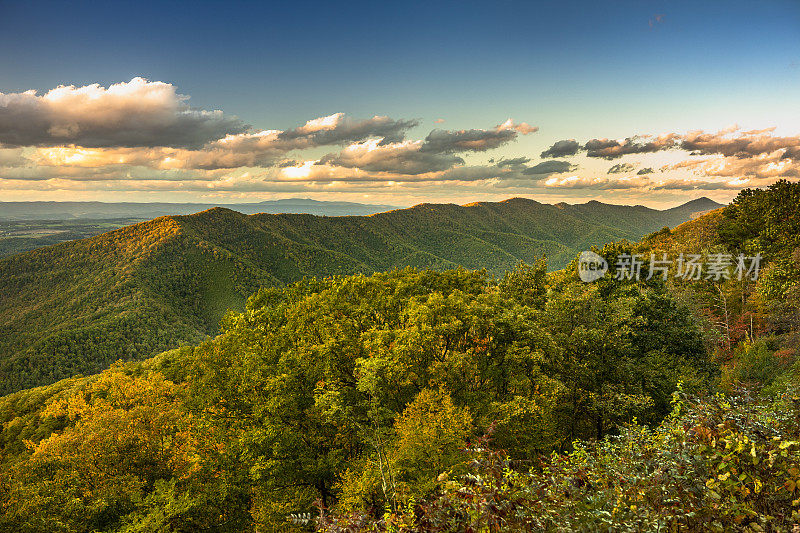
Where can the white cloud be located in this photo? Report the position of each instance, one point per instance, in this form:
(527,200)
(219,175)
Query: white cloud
(406,157)
(134,113)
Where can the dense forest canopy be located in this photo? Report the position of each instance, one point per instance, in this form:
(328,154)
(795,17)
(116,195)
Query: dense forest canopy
(321,382)
(447,400)
(76,307)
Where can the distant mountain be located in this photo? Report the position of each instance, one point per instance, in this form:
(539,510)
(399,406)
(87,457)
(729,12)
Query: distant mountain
(130,293)
(26,226)
(146,211)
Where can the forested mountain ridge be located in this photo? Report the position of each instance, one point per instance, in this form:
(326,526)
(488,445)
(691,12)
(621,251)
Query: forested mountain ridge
(291,402)
(424,400)
(29,225)
(75,307)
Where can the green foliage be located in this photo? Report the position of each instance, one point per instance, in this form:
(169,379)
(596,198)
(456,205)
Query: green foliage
(428,439)
(755,364)
(357,392)
(76,307)
(322,378)
(766,221)
(360,394)
(716,464)
(129,456)
(526,284)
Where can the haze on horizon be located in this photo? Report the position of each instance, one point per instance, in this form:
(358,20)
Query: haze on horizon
(652,103)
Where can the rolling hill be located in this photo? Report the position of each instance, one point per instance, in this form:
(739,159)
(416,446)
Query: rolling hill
(127,294)
(26,226)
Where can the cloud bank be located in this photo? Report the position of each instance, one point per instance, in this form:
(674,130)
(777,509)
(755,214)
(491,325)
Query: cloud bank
(143,136)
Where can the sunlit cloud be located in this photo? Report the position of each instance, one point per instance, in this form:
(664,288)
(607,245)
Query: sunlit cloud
(729,142)
(769,165)
(547,168)
(142,136)
(341,129)
(134,113)
(621,168)
(599,183)
(406,157)
(703,185)
(741,144)
(477,140)
(563,148)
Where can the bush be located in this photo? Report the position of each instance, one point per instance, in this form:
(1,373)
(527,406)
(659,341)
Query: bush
(716,464)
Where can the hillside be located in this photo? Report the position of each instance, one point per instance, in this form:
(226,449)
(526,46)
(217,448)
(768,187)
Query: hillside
(413,398)
(75,307)
(692,236)
(26,226)
(285,407)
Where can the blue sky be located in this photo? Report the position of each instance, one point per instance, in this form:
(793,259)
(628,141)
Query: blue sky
(574,70)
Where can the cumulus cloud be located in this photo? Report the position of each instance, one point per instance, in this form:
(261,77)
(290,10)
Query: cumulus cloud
(756,154)
(621,168)
(436,153)
(373,147)
(644,171)
(602,183)
(407,157)
(523,127)
(562,149)
(341,129)
(151,123)
(726,142)
(263,148)
(515,162)
(475,140)
(743,144)
(549,167)
(134,113)
(612,149)
(258,148)
(772,165)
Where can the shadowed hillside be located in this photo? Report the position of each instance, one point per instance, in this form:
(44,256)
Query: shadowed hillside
(130,293)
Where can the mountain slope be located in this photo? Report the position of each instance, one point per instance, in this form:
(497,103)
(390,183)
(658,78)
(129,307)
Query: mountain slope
(127,294)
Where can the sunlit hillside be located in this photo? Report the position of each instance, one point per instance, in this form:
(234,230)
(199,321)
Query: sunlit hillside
(409,399)
(75,307)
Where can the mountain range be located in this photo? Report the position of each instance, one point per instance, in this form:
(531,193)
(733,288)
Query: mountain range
(75,307)
(146,211)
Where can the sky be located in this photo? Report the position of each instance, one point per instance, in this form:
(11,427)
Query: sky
(639,102)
